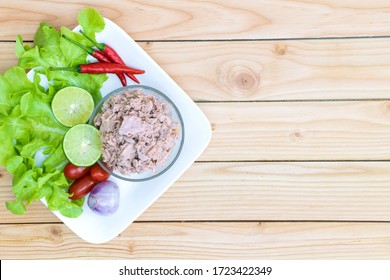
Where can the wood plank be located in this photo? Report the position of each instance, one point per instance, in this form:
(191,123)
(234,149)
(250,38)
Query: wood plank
(7,56)
(246,191)
(280,70)
(204,241)
(298,131)
(216,19)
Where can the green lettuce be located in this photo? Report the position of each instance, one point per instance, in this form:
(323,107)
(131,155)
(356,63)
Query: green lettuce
(52,50)
(30,136)
(30,127)
(91,21)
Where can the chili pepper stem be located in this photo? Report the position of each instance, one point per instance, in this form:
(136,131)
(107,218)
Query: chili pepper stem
(88,50)
(100,46)
(74,69)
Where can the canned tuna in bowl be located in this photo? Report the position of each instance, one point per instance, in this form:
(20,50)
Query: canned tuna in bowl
(141,130)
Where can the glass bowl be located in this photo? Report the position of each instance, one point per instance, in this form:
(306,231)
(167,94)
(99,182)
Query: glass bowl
(176,150)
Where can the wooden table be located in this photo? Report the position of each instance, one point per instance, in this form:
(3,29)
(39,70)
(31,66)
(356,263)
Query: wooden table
(298,94)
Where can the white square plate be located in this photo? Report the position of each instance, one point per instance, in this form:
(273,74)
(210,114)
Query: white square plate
(137,197)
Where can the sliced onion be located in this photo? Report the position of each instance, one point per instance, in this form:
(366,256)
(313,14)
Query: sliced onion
(104,198)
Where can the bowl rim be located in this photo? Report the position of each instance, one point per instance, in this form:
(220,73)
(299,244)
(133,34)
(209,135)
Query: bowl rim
(171,103)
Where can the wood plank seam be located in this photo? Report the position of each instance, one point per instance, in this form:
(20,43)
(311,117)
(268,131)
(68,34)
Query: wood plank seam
(242,40)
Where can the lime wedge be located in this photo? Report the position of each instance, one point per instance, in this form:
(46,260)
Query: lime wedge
(82,145)
(72,105)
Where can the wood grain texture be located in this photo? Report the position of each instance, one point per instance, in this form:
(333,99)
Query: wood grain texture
(298,166)
(280,70)
(223,19)
(313,131)
(246,191)
(298,131)
(204,241)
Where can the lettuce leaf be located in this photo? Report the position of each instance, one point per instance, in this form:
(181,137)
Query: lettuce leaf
(91,21)
(52,50)
(28,127)
(13,84)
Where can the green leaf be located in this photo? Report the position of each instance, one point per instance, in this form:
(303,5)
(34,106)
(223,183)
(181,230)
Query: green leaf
(57,198)
(91,21)
(47,38)
(19,48)
(85,81)
(40,89)
(17,77)
(5,100)
(13,163)
(6,143)
(13,85)
(27,123)
(16,207)
(32,105)
(29,150)
(56,161)
(14,130)
(44,191)
(24,181)
(71,210)
(74,54)
(32,58)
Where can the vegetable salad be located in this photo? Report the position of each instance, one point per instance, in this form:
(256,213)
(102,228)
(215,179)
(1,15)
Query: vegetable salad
(27,125)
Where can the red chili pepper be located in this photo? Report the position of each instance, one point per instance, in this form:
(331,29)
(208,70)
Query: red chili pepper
(132,76)
(98,55)
(102,58)
(100,68)
(110,53)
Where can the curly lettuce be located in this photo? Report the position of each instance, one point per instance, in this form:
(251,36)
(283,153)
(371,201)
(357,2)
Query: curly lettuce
(30,136)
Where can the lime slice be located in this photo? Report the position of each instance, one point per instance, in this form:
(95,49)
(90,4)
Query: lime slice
(72,105)
(82,145)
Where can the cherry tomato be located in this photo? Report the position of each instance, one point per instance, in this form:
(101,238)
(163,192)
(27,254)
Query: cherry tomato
(98,173)
(81,187)
(73,172)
